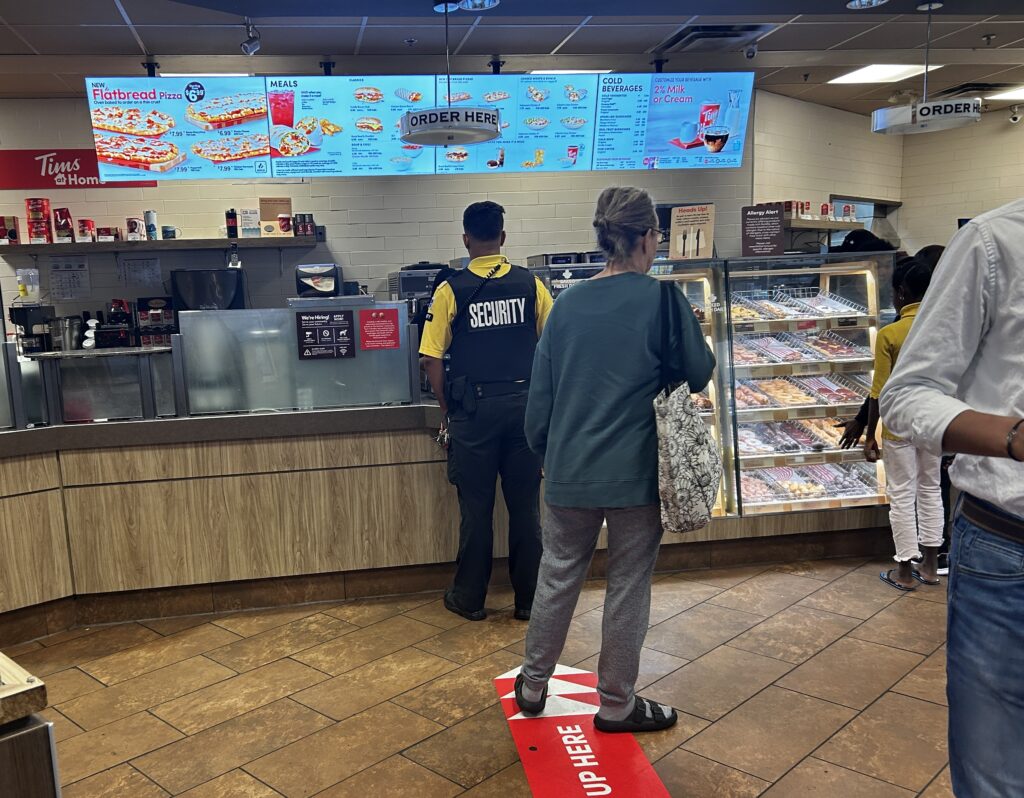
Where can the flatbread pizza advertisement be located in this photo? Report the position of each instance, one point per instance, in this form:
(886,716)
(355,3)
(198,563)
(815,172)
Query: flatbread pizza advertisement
(179,128)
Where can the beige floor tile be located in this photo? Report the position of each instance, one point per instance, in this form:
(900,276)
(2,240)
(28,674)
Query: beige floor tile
(62,727)
(97,709)
(124,781)
(858,595)
(814,777)
(767,593)
(158,653)
(718,682)
(851,672)
(95,751)
(253,622)
(942,787)
(367,644)
(687,774)
(470,751)
(770,733)
(694,633)
(583,640)
(655,745)
(342,750)
(825,570)
(672,596)
(898,739)
(472,641)
(499,597)
(235,784)
(724,578)
(228,699)
(873,566)
(69,684)
(927,681)
(18,649)
(197,759)
(179,623)
(377,681)
(912,625)
(44,661)
(395,777)
(437,615)
(68,634)
(366,612)
(795,634)
(654,665)
(508,783)
(252,652)
(463,692)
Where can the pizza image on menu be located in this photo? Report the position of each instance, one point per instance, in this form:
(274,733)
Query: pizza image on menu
(457,155)
(233,109)
(458,97)
(138,153)
(369,124)
(496,96)
(288,142)
(233,148)
(408,95)
(369,94)
(132,121)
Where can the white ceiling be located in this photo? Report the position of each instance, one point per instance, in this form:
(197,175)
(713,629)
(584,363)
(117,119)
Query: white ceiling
(46,49)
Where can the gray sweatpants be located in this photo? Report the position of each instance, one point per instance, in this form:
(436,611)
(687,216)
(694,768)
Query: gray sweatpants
(570,537)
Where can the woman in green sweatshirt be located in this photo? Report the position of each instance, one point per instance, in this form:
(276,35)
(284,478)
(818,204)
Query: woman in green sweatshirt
(591,416)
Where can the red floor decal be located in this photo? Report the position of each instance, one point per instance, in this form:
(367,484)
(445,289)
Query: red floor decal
(563,755)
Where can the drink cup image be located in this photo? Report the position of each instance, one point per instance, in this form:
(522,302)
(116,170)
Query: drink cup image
(282,108)
(709,110)
(715,138)
(688,131)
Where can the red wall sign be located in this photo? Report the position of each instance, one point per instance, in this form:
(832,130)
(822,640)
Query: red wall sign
(378,329)
(54,168)
(563,755)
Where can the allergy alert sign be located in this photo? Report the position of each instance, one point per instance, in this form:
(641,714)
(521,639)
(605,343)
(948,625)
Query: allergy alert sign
(563,755)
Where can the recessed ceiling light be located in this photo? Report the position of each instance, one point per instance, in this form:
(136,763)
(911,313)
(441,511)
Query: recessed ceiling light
(884,73)
(478,5)
(440,7)
(1012,94)
(206,74)
(860,5)
(929,6)
(569,71)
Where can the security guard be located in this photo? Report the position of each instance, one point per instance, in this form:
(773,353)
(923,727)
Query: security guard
(478,345)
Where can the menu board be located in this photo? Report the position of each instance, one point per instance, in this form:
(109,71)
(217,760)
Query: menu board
(179,128)
(328,126)
(547,122)
(672,121)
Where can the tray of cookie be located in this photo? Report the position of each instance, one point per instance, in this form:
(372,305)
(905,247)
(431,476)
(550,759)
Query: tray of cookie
(749,397)
(783,348)
(841,479)
(831,346)
(745,352)
(755,490)
(824,429)
(785,391)
(793,483)
(768,305)
(832,390)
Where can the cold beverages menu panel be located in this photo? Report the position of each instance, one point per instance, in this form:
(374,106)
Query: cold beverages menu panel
(547,122)
(672,121)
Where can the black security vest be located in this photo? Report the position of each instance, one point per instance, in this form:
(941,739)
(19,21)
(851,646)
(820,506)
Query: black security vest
(495,336)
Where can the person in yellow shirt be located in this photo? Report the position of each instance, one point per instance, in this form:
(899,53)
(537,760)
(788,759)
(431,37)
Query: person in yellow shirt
(478,344)
(913,476)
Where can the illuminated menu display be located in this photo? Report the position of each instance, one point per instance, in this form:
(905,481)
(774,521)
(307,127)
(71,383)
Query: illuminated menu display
(177,128)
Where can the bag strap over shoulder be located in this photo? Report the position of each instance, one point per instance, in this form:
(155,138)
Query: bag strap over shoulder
(669,321)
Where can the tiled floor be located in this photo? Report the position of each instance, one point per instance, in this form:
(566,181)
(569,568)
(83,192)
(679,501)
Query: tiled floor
(811,678)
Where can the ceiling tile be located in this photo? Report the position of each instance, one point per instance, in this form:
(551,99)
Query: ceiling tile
(752,19)
(391,40)
(900,36)
(677,20)
(521,41)
(309,41)
(77,40)
(617,39)
(795,75)
(67,12)
(11,44)
(166,12)
(307,22)
(30,85)
(798,36)
(833,19)
(486,20)
(968,38)
(197,40)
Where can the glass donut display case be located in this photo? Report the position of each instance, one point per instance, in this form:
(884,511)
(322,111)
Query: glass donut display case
(802,334)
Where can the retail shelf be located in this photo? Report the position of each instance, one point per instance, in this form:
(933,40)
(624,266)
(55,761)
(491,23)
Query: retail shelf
(825,503)
(859,321)
(803,369)
(801,458)
(174,244)
(797,411)
(820,224)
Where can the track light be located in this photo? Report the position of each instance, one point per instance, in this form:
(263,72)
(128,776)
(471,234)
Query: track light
(251,45)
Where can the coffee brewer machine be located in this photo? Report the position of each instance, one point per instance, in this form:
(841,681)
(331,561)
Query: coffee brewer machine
(32,327)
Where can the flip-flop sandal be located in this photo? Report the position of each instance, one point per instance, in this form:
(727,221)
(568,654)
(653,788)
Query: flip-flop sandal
(647,717)
(917,575)
(529,707)
(886,576)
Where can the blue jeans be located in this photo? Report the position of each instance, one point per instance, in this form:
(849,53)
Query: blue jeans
(985,668)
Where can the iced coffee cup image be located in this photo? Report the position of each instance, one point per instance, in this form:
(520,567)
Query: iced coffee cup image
(715,138)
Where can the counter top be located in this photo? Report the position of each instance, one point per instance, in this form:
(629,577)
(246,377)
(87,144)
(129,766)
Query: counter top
(121,351)
(16,443)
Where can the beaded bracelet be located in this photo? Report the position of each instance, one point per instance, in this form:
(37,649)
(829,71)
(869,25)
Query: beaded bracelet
(1010,437)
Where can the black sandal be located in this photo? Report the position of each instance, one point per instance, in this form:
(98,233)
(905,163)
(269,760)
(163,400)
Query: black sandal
(529,707)
(920,578)
(647,717)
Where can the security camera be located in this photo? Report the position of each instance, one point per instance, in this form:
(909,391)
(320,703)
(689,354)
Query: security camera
(750,52)
(1015,116)
(251,45)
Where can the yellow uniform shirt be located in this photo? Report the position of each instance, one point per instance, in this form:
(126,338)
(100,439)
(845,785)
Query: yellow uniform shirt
(437,331)
(887,349)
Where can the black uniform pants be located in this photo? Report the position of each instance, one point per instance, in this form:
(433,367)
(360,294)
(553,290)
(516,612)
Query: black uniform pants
(485,444)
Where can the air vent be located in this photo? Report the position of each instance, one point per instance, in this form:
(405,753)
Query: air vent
(713,38)
(974,90)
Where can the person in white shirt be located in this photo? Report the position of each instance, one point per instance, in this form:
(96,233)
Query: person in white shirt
(959,388)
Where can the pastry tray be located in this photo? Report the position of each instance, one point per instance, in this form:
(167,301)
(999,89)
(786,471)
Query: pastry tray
(802,341)
(816,302)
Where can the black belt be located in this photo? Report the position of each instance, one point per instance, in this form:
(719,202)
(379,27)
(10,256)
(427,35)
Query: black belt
(992,519)
(487,390)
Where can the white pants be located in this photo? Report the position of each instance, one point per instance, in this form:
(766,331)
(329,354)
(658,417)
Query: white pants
(913,484)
